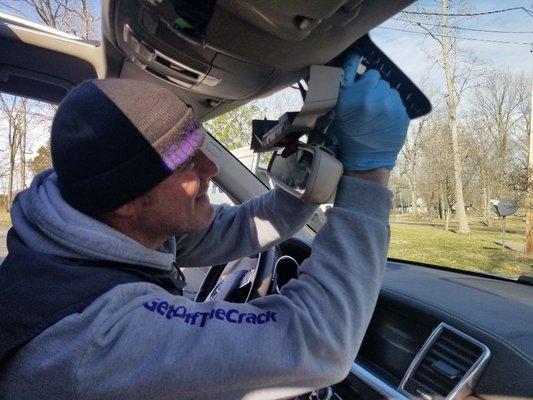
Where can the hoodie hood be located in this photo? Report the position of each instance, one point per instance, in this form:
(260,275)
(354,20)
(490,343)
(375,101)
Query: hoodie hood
(48,224)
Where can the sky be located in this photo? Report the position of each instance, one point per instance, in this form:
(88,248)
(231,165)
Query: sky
(415,53)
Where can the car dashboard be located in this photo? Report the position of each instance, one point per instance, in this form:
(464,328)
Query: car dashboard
(440,334)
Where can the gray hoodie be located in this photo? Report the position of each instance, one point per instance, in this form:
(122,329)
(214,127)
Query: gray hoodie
(137,341)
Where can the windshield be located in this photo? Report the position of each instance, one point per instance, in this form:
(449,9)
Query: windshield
(461,181)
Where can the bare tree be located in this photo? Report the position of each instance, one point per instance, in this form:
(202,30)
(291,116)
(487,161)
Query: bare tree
(452,102)
(397,186)
(74,17)
(86,17)
(14,110)
(481,166)
(526,110)
(436,170)
(496,108)
(455,85)
(22,142)
(410,157)
(48,11)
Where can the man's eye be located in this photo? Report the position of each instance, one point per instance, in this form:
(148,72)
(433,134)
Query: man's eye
(189,164)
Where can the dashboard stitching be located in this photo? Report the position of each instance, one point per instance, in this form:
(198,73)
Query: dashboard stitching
(497,338)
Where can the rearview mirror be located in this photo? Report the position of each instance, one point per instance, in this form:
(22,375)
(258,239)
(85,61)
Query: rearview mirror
(311,173)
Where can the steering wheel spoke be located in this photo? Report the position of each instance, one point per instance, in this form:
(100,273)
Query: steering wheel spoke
(239,281)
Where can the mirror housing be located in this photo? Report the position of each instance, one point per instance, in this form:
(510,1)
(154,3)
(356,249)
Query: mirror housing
(311,173)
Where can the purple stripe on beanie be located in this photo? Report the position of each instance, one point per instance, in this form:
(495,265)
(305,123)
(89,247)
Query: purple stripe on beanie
(179,153)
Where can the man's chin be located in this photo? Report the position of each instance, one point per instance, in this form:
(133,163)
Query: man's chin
(211,214)
(205,209)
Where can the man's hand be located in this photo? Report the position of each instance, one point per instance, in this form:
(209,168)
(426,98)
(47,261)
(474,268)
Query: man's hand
(371,121)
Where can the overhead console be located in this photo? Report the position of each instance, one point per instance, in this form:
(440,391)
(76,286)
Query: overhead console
(238,49)
(164,43)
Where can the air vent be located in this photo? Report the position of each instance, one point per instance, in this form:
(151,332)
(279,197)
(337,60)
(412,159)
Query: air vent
(163,66)
(447,366)
(168,64)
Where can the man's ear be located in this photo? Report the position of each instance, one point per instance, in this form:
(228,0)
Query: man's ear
(128,210)
(144,201)
(135,207)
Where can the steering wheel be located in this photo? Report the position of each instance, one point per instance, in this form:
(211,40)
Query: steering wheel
(239,281)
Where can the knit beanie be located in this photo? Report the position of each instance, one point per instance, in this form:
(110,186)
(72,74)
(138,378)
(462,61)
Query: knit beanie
(115,139)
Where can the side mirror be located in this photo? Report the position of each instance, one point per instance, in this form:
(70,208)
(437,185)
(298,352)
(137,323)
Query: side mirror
(311,173)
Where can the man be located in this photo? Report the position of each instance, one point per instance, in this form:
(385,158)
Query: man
(89,309)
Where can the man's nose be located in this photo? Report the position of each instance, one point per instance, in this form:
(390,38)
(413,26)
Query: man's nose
(206,168)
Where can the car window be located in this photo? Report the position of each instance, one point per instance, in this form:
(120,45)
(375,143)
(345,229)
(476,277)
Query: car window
(486,150)
(25,150)
(233,130)
(75,20)
(488,65)
(25,144)
(218,196)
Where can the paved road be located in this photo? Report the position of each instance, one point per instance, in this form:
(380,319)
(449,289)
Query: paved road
(3,234)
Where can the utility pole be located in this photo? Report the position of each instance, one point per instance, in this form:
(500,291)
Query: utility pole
(255,162)
(529,197)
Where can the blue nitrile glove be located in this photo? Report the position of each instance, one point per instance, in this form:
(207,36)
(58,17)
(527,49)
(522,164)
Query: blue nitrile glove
(370,123)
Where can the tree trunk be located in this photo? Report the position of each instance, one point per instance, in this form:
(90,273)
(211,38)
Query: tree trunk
(414,208)
(11,172)
(22,150)
(485,205)
(458,172)
(442,202)
(9,197)
(452,119)
(529,199)
(401,201)
(86,19)
(448,213)
(255,162)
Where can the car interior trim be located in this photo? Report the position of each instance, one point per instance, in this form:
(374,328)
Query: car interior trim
(375,383)
(23,23)
(468,381)
(459,318)
(275,274)
(450,269)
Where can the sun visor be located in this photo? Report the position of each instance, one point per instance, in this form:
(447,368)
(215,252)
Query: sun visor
(238,79)
(296,19)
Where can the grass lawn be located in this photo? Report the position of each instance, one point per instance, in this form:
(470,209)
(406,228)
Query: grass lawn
(426,241)
(481,250)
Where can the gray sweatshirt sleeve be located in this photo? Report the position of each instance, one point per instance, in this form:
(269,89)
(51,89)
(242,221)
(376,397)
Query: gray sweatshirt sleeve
(150,344)
(244,230)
